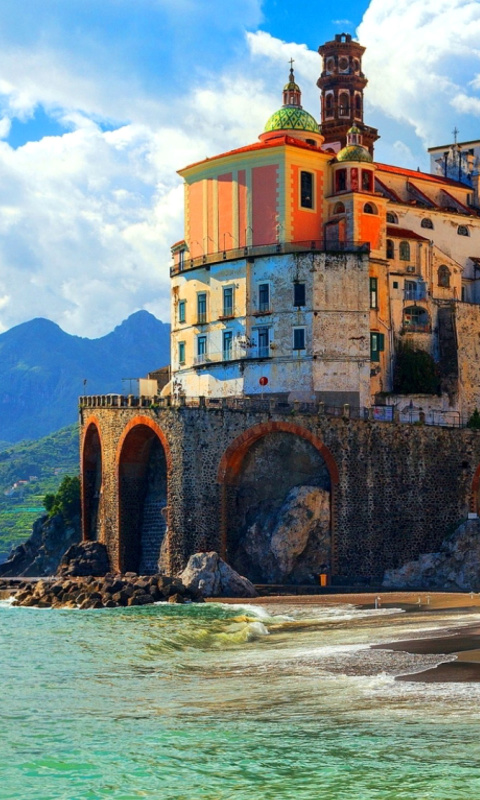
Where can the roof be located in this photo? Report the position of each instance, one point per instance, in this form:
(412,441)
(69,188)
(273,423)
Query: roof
(277,141)
(291,118)
(425,176)
(389,192)
(459,144)
(404,233)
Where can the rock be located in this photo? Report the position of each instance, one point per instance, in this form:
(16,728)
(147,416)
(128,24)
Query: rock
(210,576)
(42,552)
(456,566)
(86,558)
(176,598)
(290,544)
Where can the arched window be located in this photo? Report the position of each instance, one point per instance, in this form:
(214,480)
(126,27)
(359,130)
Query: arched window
(344,104)
(369,208)
(339,208)
(427,223)
(392,218)
(329,105)
(416,319)
(340,180)
(462,230)
(367,180)
(390,249)
(404,251)
(444,277)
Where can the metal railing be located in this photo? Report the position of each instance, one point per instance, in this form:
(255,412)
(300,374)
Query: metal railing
(272,248)
(387,414)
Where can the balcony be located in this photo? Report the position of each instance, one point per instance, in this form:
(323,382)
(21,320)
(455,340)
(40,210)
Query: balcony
(412,295)
(202,318)
(272,248)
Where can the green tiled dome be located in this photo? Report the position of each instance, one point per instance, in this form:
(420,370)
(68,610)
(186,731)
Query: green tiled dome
(290,118)
(354,152)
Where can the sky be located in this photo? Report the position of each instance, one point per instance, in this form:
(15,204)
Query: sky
(101,101)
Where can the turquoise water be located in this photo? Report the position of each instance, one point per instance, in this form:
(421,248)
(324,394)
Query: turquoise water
(203,703)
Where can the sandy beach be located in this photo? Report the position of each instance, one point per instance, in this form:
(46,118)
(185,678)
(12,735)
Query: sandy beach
(464,644)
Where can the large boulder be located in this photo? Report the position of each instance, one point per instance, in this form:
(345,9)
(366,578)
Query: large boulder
(85,558)
(290,544)
(455,566)
(210,576)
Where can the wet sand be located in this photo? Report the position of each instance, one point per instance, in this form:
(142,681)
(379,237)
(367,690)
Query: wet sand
(463,644)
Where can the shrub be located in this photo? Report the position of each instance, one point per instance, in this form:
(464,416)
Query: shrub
(66,501)
(415,372)
(474,421)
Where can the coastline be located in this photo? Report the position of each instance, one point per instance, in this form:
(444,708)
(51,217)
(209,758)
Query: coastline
(462,643)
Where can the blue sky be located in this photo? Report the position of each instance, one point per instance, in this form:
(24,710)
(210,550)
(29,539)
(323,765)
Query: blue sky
(102,100)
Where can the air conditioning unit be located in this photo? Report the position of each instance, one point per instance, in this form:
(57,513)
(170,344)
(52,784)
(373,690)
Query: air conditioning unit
(411,269)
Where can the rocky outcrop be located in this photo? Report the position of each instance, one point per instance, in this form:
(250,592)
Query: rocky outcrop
(83,559)
(455,566)
(209,575)
(290,544)
(110,591)
(40,555)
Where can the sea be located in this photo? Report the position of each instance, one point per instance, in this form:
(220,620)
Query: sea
(230,702)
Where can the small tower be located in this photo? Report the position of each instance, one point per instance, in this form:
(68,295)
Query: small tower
(291,119)
(342,83)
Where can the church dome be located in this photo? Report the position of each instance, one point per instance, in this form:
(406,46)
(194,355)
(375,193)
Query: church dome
(354,152)
(291,118)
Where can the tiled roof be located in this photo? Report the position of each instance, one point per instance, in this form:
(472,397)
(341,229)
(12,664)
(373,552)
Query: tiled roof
(404,233)
(251,148)
(424,176)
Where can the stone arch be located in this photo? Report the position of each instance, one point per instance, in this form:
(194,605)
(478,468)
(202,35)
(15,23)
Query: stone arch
(305,477)
(143,467)
(92,479)
(474,497)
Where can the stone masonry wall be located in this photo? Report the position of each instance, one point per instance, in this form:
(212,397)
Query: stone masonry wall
(401,488)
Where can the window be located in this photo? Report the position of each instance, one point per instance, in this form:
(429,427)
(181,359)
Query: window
(377,345)
(390,249)
(426,223)
(340,180)
(410,291)
(373,293)
(181,260)
(201,308)
(306,189)
(299,338)
(228,301)
(263,342)
(339,208)
(181,353)
(392,218)
(416,319)
(344,105)
(404,251)
(369,208)
(201,348)
(395,284)
(367,180)
(264,297)
(358,105)
(227,345)
(444,277)
(298,294)
(329,105)
(462,230)
(181,310)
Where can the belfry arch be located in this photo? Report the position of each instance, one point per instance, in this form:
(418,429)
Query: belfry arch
(278,504)
(143,465)
(92,479)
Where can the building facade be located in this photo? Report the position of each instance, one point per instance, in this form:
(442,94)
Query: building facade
(306,265)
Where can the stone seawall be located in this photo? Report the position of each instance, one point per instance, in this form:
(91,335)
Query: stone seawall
(396,490)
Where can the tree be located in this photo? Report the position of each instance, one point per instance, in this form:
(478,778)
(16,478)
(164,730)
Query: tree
(66,501)
(415,372)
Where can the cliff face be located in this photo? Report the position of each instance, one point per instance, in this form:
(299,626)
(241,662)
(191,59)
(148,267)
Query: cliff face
(40,555)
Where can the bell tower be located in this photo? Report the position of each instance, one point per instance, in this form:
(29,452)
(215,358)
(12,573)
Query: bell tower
(342,83)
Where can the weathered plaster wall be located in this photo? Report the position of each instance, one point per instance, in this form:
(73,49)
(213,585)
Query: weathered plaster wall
(397,490)
(467,319)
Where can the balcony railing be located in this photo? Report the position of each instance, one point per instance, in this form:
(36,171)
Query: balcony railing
(416,327)
(272,248)
(411,295)
(201,317)
(235,353)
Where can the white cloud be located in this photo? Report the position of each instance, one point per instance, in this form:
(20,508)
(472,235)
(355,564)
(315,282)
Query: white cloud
(421,56)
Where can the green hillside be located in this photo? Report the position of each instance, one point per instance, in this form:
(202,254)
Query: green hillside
(36,467)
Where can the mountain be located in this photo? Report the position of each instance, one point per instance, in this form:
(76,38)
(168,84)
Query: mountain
(42,370)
